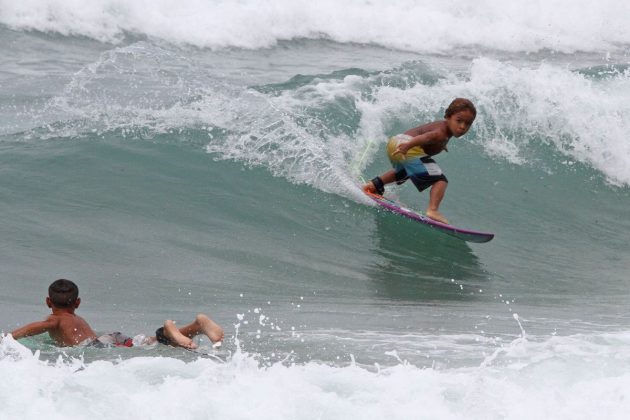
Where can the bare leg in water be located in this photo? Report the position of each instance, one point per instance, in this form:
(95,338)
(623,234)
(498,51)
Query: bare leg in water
(184,336)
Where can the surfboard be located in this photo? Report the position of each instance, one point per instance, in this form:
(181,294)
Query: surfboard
(463,234)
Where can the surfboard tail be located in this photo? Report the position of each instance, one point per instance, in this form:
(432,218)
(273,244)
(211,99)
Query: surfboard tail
(467,235)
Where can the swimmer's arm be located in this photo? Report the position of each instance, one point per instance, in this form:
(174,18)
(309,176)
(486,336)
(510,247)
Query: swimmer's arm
(35,328)
(425,139)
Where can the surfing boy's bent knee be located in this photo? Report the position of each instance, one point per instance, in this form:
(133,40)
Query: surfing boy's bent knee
(422,182)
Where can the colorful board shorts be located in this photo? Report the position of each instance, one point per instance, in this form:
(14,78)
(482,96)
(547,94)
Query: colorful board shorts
(115,339)
(419,167)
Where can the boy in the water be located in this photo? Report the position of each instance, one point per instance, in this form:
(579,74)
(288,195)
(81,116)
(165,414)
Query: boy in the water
(68,329)
(410,154)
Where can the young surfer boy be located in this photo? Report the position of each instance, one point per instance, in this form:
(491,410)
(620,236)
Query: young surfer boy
(68,329)
(411,155)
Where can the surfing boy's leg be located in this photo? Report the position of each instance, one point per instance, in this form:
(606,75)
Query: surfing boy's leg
(435,198)
(203,325)
(376,185)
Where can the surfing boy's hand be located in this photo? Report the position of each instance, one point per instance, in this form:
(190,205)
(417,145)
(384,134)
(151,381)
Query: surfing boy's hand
(403,147)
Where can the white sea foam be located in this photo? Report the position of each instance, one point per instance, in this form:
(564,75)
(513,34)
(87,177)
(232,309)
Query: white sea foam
(575,377)
(427,26)
(584,119)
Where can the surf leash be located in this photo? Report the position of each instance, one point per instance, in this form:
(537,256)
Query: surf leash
(357,164)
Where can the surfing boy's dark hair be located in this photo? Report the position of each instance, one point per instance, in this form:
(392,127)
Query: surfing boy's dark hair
(63,293)
(458,105)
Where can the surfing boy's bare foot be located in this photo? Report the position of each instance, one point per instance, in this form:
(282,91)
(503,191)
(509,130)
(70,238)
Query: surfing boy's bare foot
(370,188)
(176,337)
(437,216)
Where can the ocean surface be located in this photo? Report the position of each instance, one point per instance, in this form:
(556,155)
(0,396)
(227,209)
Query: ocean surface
(196,156)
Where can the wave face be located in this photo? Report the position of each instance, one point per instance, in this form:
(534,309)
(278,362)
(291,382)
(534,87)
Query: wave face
(309,127)
(428,26)
(170,171)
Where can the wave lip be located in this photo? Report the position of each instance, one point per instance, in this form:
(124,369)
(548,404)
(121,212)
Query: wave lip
(430,26)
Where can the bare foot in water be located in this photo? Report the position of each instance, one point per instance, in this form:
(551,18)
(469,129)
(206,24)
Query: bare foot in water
(210,328)
(176,337)
(437,216)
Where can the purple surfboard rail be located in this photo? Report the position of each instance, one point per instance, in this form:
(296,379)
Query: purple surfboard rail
(463,234)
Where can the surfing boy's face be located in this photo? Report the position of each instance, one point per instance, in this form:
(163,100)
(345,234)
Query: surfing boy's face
(459,123)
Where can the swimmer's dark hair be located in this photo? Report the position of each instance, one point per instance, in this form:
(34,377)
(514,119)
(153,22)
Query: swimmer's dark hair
(460,104)
(63,293)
